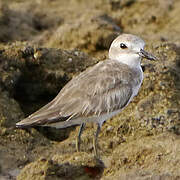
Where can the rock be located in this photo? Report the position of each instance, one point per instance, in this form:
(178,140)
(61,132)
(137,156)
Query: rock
(141,142)
(146,158)
(7,104)
(89,37)
(77,166)
(29,72)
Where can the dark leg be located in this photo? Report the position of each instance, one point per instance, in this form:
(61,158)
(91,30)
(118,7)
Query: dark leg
(95,139)
(78,141)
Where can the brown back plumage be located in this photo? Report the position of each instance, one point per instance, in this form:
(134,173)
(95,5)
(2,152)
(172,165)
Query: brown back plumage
(106,87)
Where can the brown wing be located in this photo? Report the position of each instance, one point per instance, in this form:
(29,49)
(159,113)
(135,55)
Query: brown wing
(103,88)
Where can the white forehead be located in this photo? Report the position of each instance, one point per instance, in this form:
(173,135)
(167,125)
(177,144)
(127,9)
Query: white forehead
(130,40)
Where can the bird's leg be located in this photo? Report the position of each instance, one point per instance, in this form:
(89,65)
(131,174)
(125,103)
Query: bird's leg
(95,139)
(78,140)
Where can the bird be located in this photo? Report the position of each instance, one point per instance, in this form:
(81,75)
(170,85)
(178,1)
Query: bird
(98,93)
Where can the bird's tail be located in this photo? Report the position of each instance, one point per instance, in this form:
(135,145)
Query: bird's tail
(51,118)
(25,123)
(42,118)
(58,123)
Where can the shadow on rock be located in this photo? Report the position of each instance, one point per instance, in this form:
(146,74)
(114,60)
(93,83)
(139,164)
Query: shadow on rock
(33,76)
(55,134)
(75,166)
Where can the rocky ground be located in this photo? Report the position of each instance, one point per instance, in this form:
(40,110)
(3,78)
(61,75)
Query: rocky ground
(43,44)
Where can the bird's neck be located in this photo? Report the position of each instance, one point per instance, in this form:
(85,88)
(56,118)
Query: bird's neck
(132,60)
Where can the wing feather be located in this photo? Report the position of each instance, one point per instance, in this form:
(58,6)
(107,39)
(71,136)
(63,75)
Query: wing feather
(105,87)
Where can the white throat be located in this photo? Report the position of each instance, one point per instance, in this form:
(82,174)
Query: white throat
(132,60)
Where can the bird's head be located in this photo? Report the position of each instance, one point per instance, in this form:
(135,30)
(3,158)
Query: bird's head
(129,49)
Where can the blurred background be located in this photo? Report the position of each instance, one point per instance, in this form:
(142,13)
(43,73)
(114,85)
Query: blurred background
(87,25)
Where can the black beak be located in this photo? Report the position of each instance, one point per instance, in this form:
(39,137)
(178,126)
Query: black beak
(147,55)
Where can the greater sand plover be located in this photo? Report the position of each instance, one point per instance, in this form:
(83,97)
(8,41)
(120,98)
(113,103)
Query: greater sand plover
(98,93)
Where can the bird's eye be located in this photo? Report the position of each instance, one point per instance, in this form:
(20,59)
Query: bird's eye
(123,46)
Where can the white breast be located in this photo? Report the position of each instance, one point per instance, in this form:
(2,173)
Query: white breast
(138,83)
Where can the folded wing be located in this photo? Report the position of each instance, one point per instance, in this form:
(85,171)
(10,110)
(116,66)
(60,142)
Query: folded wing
(104,88)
